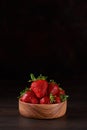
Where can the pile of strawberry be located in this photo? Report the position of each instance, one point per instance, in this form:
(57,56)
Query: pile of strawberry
(41,91)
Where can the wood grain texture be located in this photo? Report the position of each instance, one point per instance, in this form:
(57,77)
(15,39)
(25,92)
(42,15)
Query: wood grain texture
(42,111)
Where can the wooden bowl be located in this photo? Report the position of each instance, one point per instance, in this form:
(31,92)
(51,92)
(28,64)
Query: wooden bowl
(42,111)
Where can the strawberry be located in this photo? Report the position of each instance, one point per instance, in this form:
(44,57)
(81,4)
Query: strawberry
(62,95)
(57,99)
(42,92)
(45,100)
(54,99)
(53,88)
(61,91)
(39,86)
(34,100)
(29,97)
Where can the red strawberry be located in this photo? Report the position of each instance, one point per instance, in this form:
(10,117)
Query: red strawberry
(45,100)
(54,99)
(29,97)
(57,99)
(43,92)
(34,100)
(53,88)
(39,87)
(61,91)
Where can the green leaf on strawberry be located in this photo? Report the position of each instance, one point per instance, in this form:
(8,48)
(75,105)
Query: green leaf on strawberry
(32,78)
(23,92)
(40,77)
(52,81)
(63,97)
(52,98)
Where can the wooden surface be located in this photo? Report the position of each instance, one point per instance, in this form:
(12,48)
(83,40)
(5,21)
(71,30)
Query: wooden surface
(75,118)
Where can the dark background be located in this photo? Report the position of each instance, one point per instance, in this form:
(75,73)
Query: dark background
(48,37)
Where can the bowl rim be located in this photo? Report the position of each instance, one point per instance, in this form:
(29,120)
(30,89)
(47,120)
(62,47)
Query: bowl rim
(41,104)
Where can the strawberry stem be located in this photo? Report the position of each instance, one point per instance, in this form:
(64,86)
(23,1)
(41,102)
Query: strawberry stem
(40,77)
(32,78)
